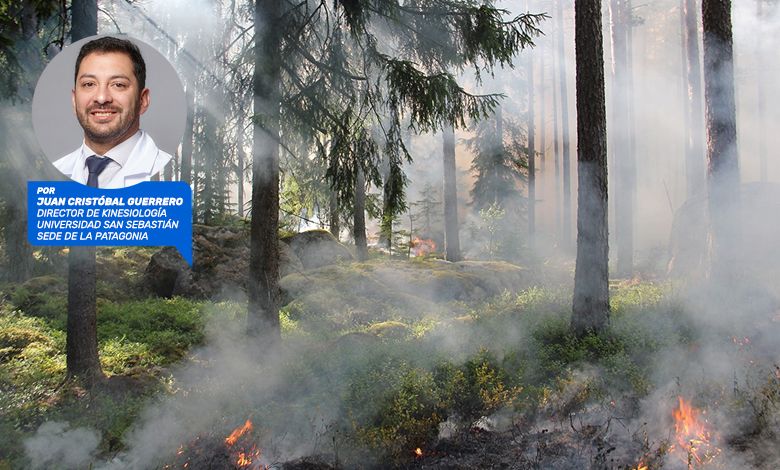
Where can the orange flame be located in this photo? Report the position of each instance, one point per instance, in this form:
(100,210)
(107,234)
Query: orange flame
(692,434)
(418,451)
(239,432)
(421,247)
(246,459)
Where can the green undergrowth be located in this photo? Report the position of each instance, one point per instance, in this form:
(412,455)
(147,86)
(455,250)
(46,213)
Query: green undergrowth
(136,339)
(360,370)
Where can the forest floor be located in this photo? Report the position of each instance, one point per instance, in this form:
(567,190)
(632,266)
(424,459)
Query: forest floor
(379,372)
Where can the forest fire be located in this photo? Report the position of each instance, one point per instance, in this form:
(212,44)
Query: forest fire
(237,451)
(692,435)
(422,247)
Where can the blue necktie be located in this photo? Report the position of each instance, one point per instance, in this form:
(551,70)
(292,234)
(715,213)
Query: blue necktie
(96,166)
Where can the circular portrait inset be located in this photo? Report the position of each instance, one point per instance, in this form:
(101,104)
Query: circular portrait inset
(109,111)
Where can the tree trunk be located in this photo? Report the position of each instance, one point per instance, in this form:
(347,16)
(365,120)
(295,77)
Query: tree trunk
(386,226)
(83,19)
(531,153)
(626,172)
(590,305)
(566,235)
(81,351)
(18,251)
(500,153)
(723,163)
(556,151)
(763,170)
(451,235)
(694,167)
(361,243)
(631,106)
(333,215)
(543,136)
(263,309)
(686,91)
(240,164)
(189,132)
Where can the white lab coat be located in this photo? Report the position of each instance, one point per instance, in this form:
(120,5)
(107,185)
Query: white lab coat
(145,161)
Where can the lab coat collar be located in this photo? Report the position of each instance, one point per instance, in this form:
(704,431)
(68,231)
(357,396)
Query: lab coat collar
(145,161)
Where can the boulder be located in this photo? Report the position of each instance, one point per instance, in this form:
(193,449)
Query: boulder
(220,265)
(168,274)
(317,248)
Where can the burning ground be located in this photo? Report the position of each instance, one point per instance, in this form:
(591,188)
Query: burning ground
(378,373)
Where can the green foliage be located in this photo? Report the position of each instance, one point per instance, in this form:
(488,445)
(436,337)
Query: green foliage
(118,356)
(413,401)
(429,213)
(168,326)
(492,218)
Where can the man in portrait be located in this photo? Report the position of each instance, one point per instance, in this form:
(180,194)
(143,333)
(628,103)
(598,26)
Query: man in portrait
(109,97)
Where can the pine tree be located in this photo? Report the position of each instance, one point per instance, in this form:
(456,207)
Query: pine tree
(590,305)
(304,42)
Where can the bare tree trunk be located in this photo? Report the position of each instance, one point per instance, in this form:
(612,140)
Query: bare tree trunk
(386,226)
(333,215)
(725,220)
(263,309)
(83,19)
(556,152)
(631,102)
(543,135)
(81,351)
(694,167)
(590,305)
(686,90)
(361,243)
(762,158)
(18,251)
(451,235)
(531,153)
(240,165)
(189,132)
(626,173)
(565,138)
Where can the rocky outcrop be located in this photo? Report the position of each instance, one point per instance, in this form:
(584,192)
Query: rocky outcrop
(317,248)
(221,263)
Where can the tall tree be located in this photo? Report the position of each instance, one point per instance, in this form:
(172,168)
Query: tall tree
(763,170)
(723,162)
(565,135)
(590,305)
(499,163)
(263,308)
(625,164)
(451,235)
(556,146)
(81,350)
(429,212)
(542,130)
(685,92)
(694,165)
(531,152)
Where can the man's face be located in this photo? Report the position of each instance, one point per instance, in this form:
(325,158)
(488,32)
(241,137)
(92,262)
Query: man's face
(107,100)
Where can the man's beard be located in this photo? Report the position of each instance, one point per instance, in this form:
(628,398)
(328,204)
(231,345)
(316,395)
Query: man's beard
(106,135)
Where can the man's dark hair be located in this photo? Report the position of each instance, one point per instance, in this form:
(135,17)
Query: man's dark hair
(110,44)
